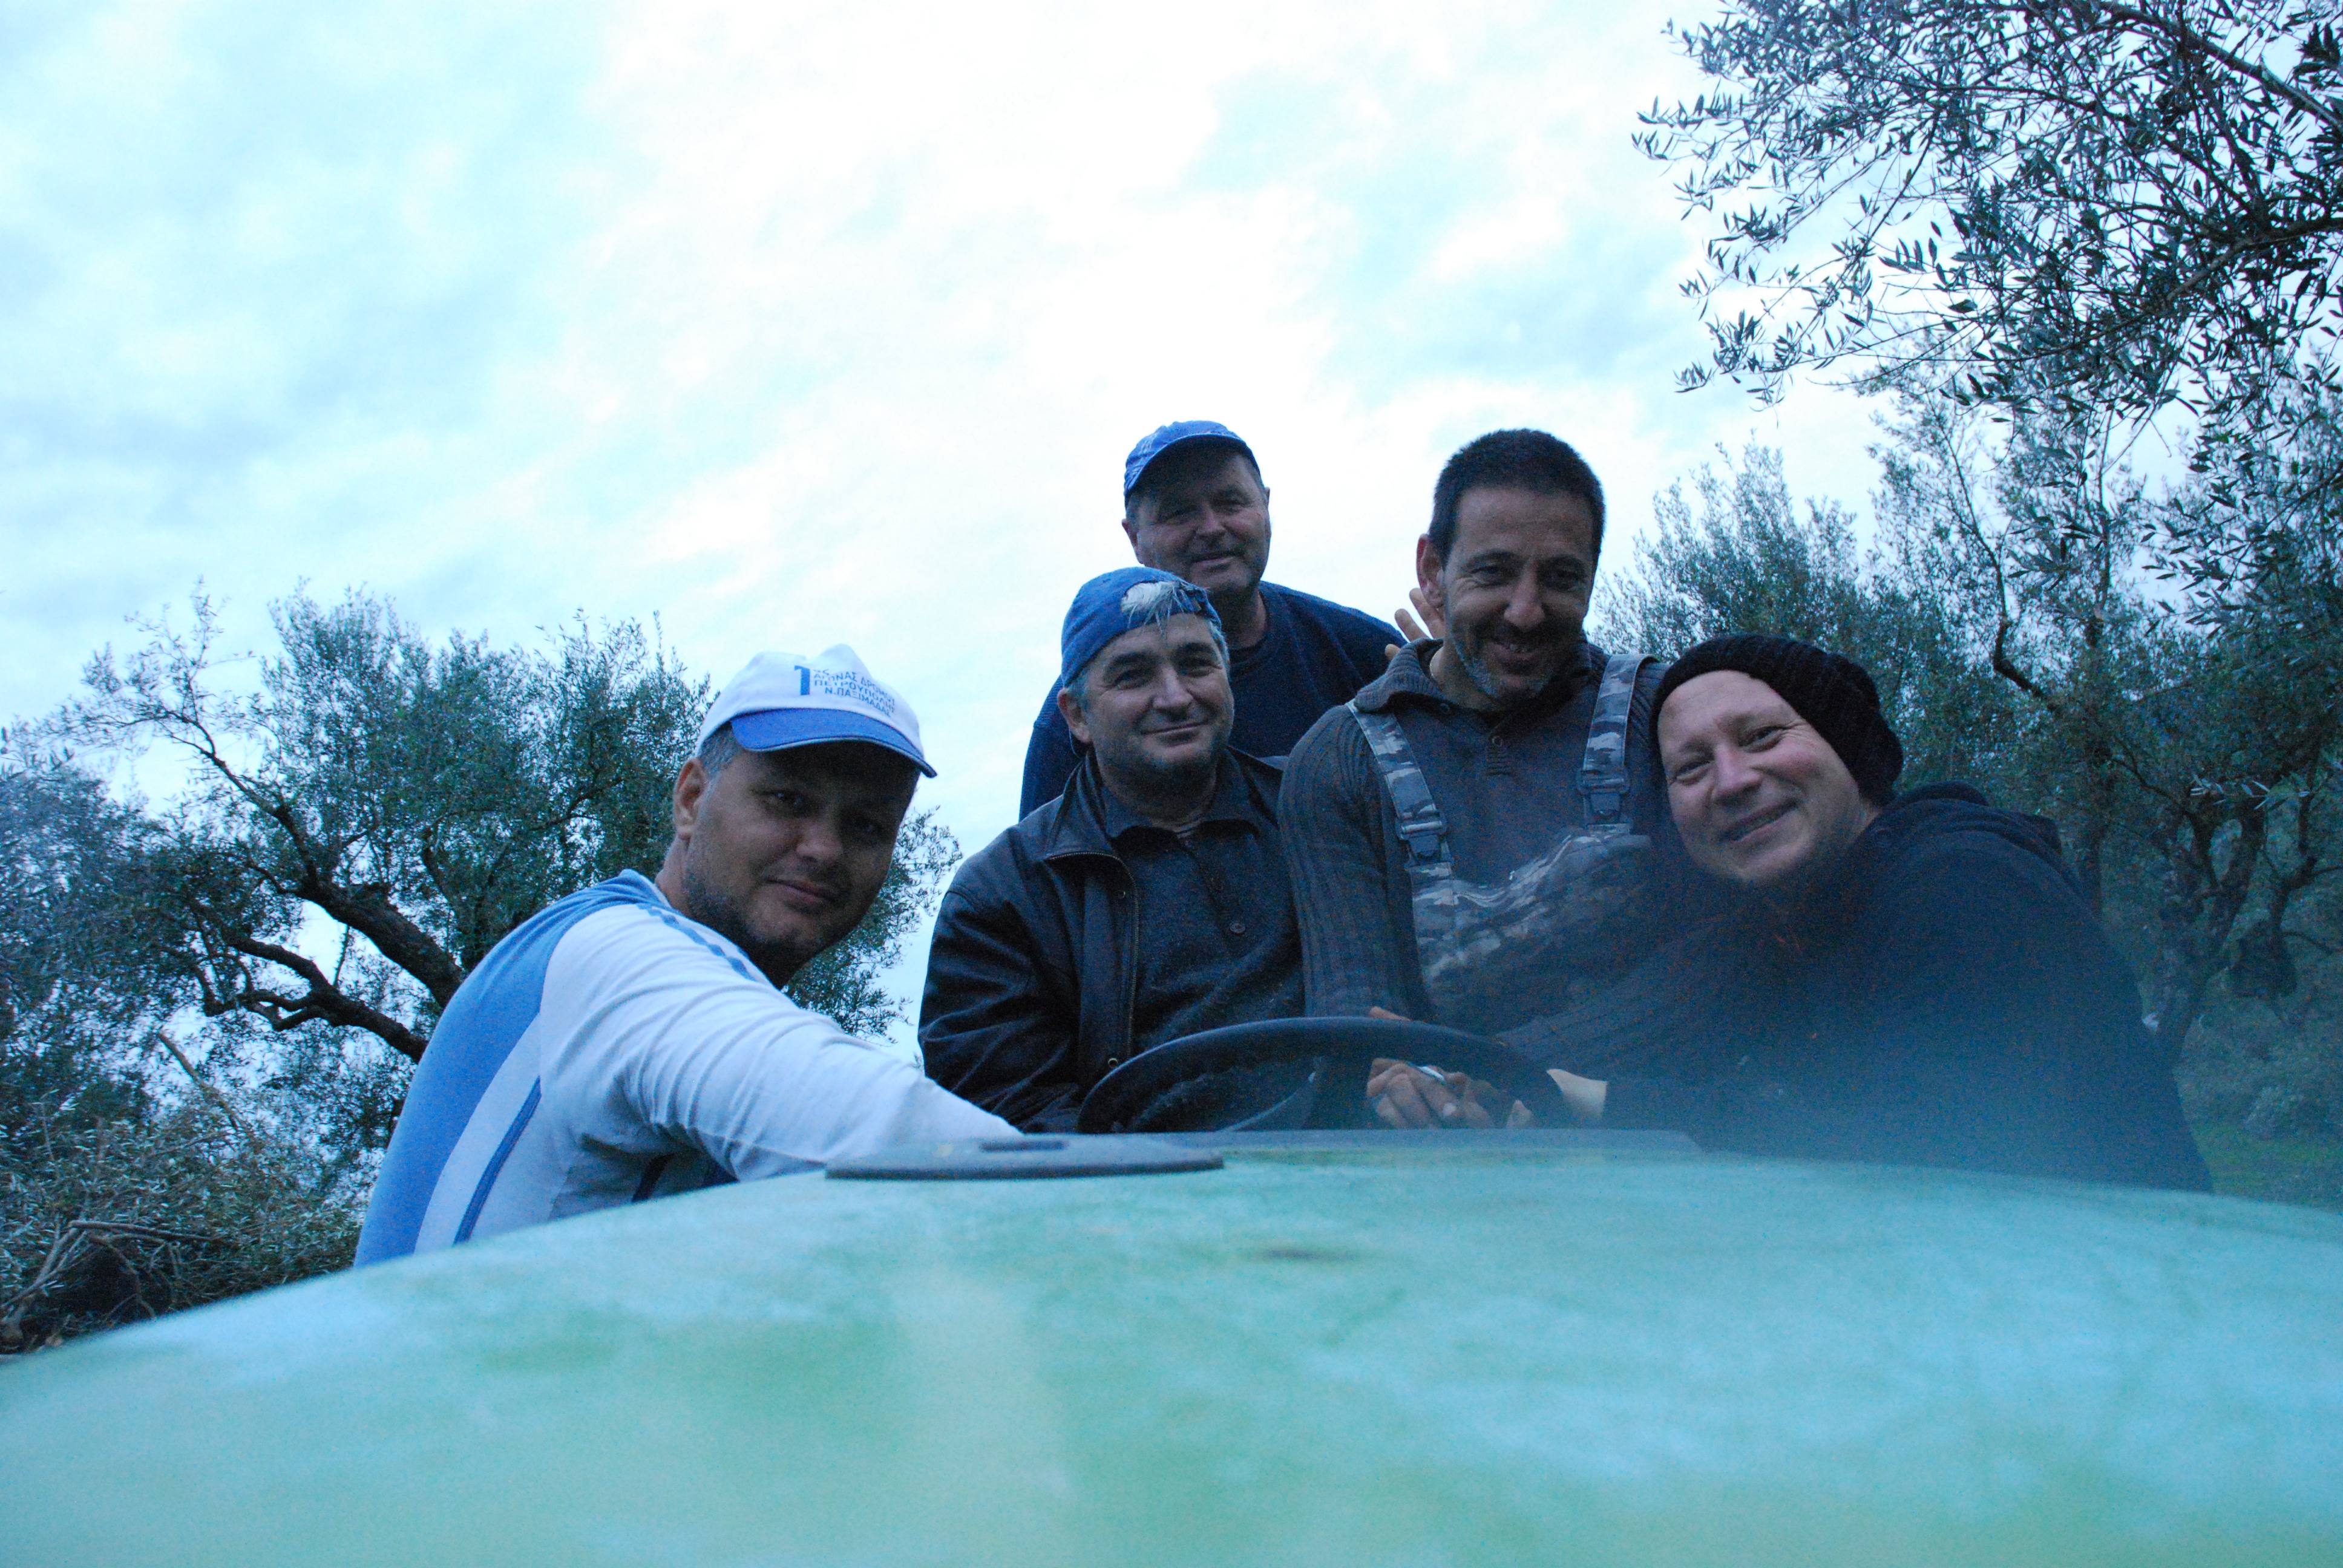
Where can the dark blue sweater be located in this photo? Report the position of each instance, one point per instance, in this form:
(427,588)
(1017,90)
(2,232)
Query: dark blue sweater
(1316,654)
(1949,1000)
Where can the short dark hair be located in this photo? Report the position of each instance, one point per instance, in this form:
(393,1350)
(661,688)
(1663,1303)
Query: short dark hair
(1152,480)
(723,748)
(1511,460)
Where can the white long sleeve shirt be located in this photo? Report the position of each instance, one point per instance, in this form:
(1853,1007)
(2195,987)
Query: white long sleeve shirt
(610,1049)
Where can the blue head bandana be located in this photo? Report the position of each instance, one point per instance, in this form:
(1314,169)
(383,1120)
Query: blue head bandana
(1124,600)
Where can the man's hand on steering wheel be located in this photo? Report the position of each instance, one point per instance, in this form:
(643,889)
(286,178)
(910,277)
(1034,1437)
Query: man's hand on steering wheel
(1407,1096)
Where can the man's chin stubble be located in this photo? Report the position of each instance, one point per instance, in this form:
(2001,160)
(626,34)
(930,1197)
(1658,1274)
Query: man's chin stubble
(1484,680)
(1183,777)
(722,916)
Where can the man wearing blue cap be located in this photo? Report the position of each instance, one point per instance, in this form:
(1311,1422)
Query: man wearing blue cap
(1147,902)
(1194,504)
(633,1040)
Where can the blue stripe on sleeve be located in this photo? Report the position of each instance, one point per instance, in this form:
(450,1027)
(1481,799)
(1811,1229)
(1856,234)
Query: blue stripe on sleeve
(497,1162)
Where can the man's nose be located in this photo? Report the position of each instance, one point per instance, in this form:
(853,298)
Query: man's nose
(1525,605)
(1735,776)
(1171,694)
(819,840)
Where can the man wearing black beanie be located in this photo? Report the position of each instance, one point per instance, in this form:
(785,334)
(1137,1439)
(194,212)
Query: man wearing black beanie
(1911,979)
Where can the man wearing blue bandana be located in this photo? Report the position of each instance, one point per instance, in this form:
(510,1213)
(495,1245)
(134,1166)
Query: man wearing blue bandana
(1147,902)
(1194,504)
(632,1040)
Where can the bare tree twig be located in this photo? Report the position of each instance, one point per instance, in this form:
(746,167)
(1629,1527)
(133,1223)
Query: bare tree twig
(211,1090)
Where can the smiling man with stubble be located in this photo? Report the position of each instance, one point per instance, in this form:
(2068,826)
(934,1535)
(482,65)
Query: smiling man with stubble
(1147,901)
(633,1040)
(1480,838)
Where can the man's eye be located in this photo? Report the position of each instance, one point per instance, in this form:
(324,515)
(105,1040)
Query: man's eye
(1685,772)
(1764,735)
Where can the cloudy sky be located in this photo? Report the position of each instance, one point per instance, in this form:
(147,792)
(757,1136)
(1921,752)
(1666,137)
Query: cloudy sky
(793,324)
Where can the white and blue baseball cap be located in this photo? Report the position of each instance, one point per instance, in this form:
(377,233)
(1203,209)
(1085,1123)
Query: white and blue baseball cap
(785,699)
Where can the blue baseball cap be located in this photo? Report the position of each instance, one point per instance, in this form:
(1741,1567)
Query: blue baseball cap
(1179,433)
(1124,600)
(783,699)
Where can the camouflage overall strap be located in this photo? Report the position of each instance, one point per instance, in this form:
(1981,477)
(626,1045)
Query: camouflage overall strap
(1602,775)
(1420,822)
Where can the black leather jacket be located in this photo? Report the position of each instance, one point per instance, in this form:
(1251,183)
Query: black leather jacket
(1031,973)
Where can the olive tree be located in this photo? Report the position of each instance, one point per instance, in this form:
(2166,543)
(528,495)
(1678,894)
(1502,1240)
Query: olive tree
(2108,205)
(1738,553)
(2200,744)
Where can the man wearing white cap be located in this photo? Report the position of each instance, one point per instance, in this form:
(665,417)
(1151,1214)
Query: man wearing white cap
(632,1040)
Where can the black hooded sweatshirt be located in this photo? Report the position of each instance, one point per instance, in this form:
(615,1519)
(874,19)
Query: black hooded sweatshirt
(1947,998)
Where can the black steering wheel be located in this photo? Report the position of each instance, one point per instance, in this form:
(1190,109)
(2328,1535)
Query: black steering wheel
(1342,1048)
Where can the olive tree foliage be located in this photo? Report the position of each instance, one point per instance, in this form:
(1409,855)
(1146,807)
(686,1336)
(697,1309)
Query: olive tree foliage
(2188,732)
(423,799)
(2101,206)
(141,1169)
(2202,744)
(2021,642)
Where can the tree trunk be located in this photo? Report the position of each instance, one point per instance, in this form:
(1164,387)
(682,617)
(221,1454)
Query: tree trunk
(2099,806)
(2204,893)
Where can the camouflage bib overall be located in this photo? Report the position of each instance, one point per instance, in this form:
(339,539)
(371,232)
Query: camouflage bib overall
(1556,928)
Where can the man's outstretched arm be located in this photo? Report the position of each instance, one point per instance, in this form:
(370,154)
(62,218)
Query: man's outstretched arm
(689,1046)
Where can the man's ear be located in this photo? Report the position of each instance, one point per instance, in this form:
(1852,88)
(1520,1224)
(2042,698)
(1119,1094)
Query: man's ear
(1130,532)
(690,787)
(1429,568)
(1070,708)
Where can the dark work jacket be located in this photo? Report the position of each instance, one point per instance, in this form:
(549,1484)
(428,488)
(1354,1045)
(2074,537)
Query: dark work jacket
(1948,998)
(1033,971)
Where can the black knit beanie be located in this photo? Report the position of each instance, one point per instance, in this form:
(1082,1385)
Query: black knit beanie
(1832,694)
